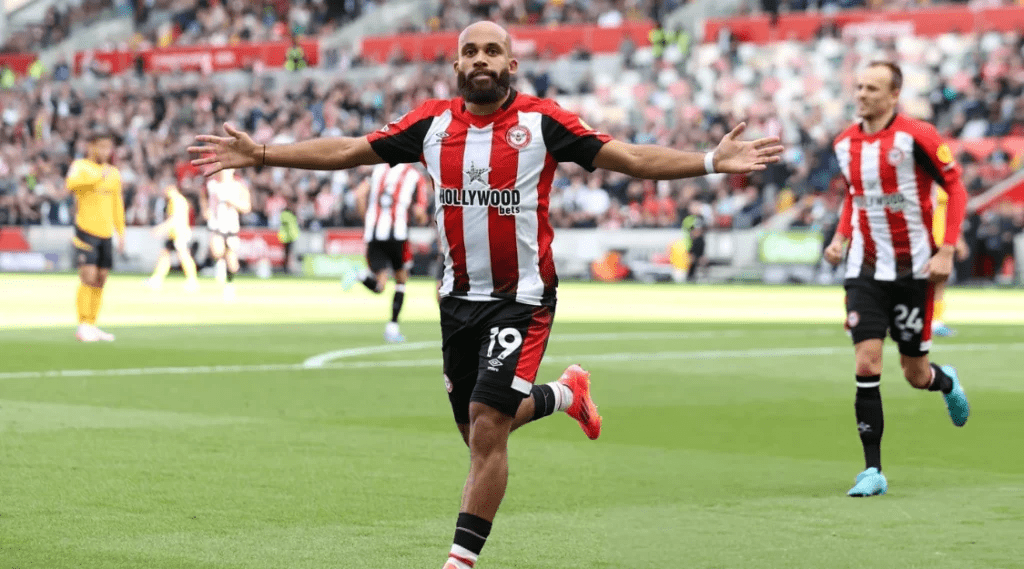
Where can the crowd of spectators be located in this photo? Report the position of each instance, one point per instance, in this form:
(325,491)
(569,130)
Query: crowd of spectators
(224,22)
(969,86)
(58,23)
(457,14)
(786,6)
(217,22)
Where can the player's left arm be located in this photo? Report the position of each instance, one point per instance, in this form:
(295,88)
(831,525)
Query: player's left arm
(362,193)
(569,139)
(935,157)
(732,156)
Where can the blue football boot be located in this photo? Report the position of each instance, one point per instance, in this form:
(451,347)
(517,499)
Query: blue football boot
(956,400)
(871,482)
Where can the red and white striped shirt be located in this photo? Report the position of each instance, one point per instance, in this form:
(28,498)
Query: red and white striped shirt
(392,189)
(492,175)
(887,213)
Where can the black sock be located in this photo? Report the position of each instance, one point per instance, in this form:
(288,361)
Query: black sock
(471,532)
(543,401)
(870,420)
(230,275)
(370,282)
(396,304)
(942,382)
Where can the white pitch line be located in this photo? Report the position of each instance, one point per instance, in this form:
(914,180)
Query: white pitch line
(320,360)
(428,362)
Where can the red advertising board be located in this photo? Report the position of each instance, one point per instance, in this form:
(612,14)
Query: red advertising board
(923,22)
(257,244)
(13,239)
(540,40)
(18,62)
(203,58)
(344,242)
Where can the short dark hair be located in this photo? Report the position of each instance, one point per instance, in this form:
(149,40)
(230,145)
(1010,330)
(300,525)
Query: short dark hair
(101,134)
(897,73)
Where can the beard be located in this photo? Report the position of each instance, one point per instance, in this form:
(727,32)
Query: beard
(501,84)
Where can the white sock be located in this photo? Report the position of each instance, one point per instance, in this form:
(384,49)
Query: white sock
(563,395)
(456,556)
(221,270)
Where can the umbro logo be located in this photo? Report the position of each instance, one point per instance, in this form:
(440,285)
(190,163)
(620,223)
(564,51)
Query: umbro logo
(863,427)
(442,135)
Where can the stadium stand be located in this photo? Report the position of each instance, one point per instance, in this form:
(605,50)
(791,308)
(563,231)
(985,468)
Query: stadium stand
(969,85)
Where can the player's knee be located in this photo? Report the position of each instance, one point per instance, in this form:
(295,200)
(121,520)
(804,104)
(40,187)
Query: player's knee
(869,364)
(488,430)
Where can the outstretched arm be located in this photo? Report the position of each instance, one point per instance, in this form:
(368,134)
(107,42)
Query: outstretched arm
(239,151)
(660,163)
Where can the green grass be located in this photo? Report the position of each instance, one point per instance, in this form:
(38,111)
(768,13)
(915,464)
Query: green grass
(727,443)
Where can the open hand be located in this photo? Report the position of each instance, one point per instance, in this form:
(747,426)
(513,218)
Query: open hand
(734,156)
(223,152)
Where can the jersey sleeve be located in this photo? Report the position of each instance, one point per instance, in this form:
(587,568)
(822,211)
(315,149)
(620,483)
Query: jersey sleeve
(81,176)
(934,156)
(569,139)
(401,141)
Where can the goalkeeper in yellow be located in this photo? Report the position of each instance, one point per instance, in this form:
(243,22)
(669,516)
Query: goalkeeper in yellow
(96,185)
(179,232)
(939,327)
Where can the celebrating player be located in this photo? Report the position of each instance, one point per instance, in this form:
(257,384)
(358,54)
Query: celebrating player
(96,185)
(889,162)
(491,154)
(179,234)
(384,200)
(226,197)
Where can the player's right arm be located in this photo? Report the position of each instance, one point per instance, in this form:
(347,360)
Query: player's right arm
(239,151)
(81,176)
(834,251)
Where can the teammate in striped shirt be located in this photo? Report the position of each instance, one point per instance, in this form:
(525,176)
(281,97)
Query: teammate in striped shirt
(890,162)
(491,154)
(225,200)
(384,200)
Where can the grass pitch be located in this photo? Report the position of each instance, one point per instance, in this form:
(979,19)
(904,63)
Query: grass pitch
(277,431)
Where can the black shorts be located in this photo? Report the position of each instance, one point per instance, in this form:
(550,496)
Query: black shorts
(92,250)
(901,308)
(491,352)
(393,254)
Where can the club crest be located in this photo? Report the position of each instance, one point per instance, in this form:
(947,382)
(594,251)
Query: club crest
(518,137)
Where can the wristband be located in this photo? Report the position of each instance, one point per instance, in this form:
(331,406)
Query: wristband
(709,162)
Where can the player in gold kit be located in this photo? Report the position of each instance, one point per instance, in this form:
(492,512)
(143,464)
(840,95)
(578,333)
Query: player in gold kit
(96,185)
(179,233)
(939,327)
